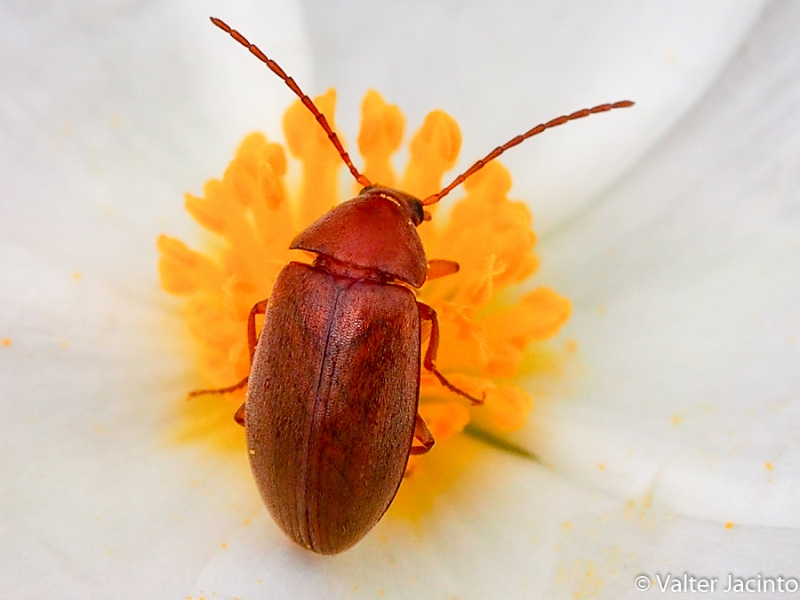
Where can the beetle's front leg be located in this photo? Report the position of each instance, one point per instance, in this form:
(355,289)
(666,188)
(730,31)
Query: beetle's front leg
(427,313)
(260,308)
(441,268)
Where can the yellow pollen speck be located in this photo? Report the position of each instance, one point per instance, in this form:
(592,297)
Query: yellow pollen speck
(76,276)
(224,546)
(488,328)
(729,525)
(566,525)
(583,577)
(6,342)
(601,466)
(675,420)
(768,465)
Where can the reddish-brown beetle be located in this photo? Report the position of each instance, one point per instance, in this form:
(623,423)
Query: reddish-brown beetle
(331,410)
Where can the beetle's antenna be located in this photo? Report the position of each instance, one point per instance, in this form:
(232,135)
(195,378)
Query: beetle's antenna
(309,104)
(433,199)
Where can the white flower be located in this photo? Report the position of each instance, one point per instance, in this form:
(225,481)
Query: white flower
(673,227)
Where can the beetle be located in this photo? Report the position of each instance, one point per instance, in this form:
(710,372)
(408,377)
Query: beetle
(333,391)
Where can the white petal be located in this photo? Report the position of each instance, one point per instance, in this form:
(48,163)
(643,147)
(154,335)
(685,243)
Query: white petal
(114,116)
(490,535)
(102,134)
(509,529)
(686,280)
(601,555)
(501,68)
(107,121)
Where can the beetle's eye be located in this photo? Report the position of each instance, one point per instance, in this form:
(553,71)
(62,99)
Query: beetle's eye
(417,212)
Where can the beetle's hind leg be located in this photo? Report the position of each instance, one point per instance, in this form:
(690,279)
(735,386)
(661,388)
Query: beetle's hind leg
(427,313)
(260,308)
(423,435)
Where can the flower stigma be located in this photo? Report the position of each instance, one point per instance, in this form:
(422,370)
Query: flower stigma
(489,329)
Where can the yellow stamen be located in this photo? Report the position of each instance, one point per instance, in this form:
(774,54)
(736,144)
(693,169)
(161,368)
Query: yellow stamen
(382,127)
(319,190)
(434,150)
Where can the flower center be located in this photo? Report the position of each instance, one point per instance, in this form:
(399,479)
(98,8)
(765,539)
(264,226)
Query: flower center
(485,335)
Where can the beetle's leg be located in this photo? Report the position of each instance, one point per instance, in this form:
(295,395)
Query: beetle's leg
(259,309)
(239,415)
(225,390)
(423,434)
(441,268)
(427,313)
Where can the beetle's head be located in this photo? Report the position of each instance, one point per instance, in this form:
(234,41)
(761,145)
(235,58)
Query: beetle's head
(410,205)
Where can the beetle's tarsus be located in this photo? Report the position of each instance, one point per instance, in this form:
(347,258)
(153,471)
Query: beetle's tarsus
(443,380)
(225,390)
